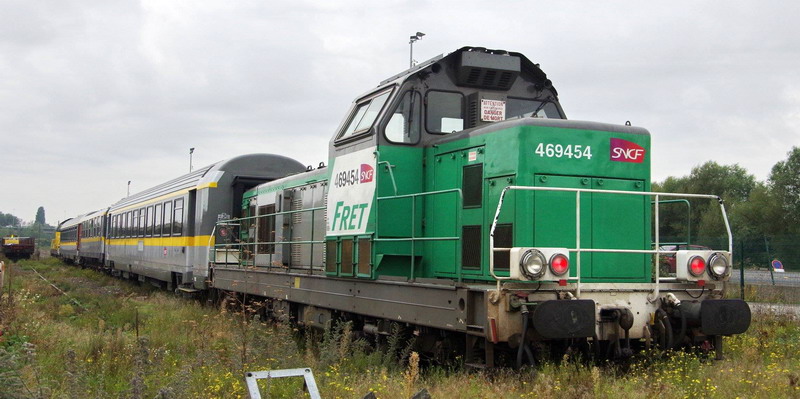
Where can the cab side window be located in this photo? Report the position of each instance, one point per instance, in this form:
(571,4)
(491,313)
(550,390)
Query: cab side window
(404,125)
(445,112)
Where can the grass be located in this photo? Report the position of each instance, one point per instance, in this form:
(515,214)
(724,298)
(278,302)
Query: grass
(782,294)
(107,339)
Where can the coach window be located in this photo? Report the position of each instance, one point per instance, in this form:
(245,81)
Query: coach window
(140,231)
(365,114)
(177,219)
(404,125)
(148,222)
(140,223)
(135,223)
(157,221)
(445,112)
(125,224)
(167,219)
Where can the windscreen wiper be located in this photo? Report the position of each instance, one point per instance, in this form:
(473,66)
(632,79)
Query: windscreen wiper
(539,108)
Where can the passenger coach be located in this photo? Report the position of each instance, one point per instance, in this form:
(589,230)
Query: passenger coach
(163,233)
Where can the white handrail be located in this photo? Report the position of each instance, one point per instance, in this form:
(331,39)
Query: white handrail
(578,249)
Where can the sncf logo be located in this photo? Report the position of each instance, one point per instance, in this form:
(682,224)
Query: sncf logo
(626,151)
(367,173)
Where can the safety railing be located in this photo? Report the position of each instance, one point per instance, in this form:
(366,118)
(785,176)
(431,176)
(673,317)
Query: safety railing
(688,220)
(414,239)
(241,248)
(578,250)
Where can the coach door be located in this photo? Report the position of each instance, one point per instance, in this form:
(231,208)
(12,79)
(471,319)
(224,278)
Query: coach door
(78,239)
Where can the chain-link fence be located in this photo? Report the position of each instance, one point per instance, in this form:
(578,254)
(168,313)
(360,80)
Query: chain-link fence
(753,277)
(753,253)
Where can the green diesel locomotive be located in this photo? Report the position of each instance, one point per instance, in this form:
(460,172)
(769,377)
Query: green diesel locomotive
(460,203)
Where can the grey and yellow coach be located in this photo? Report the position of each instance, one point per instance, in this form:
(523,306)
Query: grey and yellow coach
(162,234)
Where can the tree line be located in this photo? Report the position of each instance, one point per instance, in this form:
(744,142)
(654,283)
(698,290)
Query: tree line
(764,215)
(9,220)
(39,230)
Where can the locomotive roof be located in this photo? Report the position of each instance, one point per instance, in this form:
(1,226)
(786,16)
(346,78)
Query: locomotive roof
(526,64)
(477,73)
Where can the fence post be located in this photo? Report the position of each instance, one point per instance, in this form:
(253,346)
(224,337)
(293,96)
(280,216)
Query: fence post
(741,270)
(769,261)
(2,274)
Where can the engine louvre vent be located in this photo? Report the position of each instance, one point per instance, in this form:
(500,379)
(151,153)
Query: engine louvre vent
(487,70)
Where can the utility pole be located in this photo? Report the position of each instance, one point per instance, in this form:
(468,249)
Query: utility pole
(129,189)
(191,151)
(411,48)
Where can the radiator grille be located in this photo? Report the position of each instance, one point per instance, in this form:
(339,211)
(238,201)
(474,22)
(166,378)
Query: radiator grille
(503,238)
(347,257)
(330,256)
(364,256)
(297,218)
(471,247)
(471,184)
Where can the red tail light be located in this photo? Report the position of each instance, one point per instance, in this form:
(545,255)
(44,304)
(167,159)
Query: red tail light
(697,265)
(559,264)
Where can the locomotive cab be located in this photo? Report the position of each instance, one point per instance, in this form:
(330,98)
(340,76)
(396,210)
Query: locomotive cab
(394,133)
(420,163)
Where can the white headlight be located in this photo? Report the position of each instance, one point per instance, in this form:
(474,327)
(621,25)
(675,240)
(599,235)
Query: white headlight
(532,264)
(718,265)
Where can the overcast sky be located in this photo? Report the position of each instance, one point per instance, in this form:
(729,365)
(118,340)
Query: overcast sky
(94,93)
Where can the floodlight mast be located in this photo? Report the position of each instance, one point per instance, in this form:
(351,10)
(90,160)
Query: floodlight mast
(411,41)
(191,151)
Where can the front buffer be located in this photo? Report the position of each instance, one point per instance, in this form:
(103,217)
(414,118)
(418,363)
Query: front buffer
(564,319)
(718,316)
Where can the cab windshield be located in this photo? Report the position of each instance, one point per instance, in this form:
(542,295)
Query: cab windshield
(364,115)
